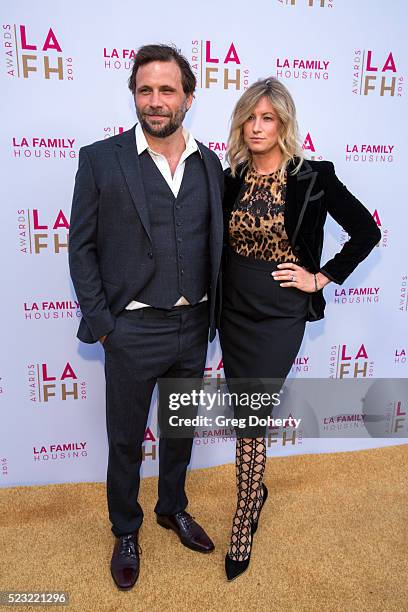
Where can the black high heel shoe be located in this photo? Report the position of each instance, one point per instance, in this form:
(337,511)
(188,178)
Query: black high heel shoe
(254,526)
(233,569)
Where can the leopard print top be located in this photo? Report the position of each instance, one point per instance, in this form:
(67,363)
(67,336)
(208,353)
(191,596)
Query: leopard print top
(256,226)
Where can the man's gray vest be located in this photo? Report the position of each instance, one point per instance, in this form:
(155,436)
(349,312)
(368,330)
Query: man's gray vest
(180,234)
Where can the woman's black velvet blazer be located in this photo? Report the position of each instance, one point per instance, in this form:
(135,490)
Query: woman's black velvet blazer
(310,194)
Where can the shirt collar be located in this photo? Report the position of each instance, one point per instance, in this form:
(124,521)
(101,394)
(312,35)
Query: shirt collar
(142,144)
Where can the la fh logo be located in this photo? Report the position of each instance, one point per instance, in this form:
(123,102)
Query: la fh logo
(37,235)
(400,355)
(309,146)
(348,361)
(48,383)
(376,74)
(218,65)
(30,54)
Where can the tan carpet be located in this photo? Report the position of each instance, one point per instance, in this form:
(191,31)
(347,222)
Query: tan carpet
(332,537)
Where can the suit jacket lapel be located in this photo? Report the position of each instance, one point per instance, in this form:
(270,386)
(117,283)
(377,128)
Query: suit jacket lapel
(298,190)
(129,162)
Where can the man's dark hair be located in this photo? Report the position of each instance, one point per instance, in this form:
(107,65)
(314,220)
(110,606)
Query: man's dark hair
(163,53)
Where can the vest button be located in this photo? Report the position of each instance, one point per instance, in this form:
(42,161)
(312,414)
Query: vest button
(296,249)
(150,255)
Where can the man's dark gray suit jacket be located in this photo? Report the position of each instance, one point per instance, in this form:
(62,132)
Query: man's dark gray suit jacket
(111,256)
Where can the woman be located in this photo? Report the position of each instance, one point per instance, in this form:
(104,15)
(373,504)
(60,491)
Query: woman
(275,207)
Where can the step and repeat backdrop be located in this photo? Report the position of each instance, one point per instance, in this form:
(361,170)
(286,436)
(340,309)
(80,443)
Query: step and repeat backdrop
(64,71)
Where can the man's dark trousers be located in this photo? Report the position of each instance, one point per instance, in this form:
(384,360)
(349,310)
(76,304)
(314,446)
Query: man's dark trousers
(147,344)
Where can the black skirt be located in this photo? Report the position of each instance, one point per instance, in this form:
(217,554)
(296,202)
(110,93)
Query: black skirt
(261,330)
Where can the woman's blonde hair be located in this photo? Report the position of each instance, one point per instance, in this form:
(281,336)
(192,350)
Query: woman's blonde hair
(284,106)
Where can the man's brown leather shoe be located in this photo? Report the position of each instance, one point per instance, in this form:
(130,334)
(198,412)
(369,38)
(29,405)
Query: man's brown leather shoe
(190,533)
(125,561)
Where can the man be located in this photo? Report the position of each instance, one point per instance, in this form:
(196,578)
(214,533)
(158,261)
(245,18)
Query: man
(145,249)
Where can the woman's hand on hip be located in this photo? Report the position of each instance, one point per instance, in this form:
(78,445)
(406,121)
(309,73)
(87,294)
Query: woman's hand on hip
(292,275)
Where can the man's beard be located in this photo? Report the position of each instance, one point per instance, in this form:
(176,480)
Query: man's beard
(162,131)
